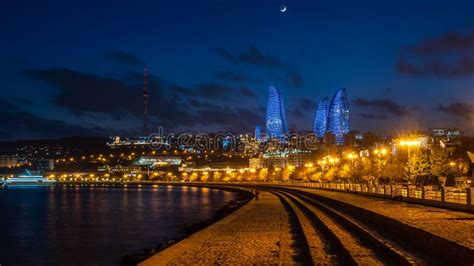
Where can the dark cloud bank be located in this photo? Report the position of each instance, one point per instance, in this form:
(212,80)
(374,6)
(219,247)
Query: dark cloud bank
(447,56)
(253,56)
(171,106)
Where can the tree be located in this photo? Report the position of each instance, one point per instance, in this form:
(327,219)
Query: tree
(458,168)
(418,165)
(361,169)
(345,172)
(330,174)
(439,161)
(316,176)
(393,170)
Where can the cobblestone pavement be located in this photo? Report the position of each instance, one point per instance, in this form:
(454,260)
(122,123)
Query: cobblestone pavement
(257,233)
(452,225)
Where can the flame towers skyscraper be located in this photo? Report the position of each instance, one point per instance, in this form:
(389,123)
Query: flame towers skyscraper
(275,117)
(338,116)
(321,118)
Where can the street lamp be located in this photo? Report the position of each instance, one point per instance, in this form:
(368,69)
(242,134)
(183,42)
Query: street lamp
(381,152)
(409,144)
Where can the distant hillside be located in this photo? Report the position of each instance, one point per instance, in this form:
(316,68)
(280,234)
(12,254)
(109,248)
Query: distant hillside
(85,144)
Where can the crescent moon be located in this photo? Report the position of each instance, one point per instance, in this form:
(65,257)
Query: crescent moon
(283,9)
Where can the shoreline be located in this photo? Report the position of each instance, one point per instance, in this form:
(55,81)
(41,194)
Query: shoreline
(242,197)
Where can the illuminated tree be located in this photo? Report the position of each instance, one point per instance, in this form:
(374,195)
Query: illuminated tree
(393,170)
(205,177)
(216,176)
(316,176)
(239,177)
(263,174)
(439,160)
(330,174)
(361,170)
(194,177)
(287,172)
(345,172)
(418,165)
(458,168)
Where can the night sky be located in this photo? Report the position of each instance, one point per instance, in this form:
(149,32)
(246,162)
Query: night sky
(76,68)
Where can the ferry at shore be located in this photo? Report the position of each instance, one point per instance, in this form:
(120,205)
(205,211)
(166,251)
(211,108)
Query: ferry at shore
(28,180)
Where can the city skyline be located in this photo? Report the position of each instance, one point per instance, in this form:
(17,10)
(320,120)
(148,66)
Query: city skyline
(217,132)
(414,72)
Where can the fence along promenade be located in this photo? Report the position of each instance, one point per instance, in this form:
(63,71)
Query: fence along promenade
(446,197)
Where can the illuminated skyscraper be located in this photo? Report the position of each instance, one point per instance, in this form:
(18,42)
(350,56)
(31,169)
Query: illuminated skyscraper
(321,118)
(258,133)
(338,116)
(275,118)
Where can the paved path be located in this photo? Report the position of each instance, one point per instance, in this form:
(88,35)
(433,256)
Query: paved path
(257,233)
(452,225)
(260,233)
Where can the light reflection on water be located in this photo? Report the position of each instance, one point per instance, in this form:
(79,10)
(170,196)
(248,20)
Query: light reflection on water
(81,225)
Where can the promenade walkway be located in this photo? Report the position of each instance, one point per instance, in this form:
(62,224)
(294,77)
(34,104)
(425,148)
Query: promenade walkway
(452,225)
(264,232)
(257,233)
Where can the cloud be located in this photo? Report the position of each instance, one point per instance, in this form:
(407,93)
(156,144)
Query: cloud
(253,56)
(171,106)
(212,91)
(302,108)
(230,75)
(463,66)
(459,109)
(19,124)
(294,78)
(447,56)
(384,105)
(372,116)
(305,103)
(447,43)
(247,93)
(82,93)
(23,101)
(238,118)
(297,113)
(125,58)
(90,95)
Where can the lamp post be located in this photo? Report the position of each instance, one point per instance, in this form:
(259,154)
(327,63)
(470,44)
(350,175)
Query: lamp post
(380,153)
(409,144)
(352,156)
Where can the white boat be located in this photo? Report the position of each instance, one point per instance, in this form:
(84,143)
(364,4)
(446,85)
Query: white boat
(28,180)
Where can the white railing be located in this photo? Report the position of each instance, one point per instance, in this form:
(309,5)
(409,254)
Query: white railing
(464,196)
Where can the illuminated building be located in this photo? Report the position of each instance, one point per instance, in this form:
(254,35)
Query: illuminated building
(282,159)
(45,165)
(338,116)
(275,117)
(258,133)
(117,141)
(158,161)
(8,161)
(446,133)
(255,163)
(321,118)
(247,144)
(113,169)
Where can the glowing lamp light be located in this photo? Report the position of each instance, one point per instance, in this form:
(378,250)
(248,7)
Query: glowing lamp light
(409,142)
